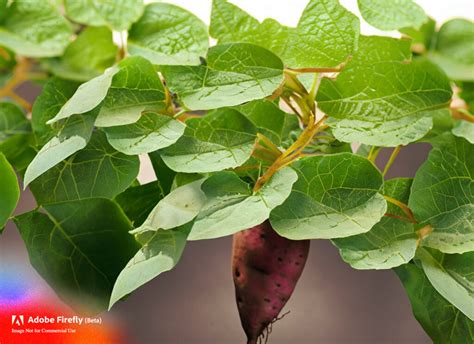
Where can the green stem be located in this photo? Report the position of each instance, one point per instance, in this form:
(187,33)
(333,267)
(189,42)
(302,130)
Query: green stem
(392,158)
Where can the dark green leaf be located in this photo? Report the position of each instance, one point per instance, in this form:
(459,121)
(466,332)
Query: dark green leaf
(96,171)
(10,192)
(269,119)
(443,322)
(138,201)
(79,248)
(55,93)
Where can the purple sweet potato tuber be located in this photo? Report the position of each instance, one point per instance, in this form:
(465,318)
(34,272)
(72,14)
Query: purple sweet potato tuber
(265,268)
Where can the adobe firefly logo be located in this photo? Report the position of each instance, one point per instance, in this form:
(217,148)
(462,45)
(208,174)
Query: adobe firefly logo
(18,320)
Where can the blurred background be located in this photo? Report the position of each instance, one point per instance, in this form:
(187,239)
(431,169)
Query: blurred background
(194,303)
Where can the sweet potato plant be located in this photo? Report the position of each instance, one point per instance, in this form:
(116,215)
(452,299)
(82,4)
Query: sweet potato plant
(271,135)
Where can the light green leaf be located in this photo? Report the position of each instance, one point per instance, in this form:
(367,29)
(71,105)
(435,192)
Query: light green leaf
(123,91)
(118,14)
(53,96)
(380,99)
(392,15)
(135,88)
(390,243)
(454,51)
(138,201)
(452,275)
(35,30)
(335,196)
(88,56)
(326,34)
(88,96)
(269,119)
(231,206)
(443,322)
(97,171)
(168,35)
(152,131)
(159,254)
(222,139)
(79,248)
(443,195)
(422,38)
(74,136)
(10,193)
(177,208)
(234,74)
(464,129)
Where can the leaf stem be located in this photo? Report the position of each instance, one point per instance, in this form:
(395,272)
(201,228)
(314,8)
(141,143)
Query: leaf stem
(403,207)
(293,152)
(373,153)
(273,147)
(462,114)
(423,233)
(392,158)
(401,218)
(20,74)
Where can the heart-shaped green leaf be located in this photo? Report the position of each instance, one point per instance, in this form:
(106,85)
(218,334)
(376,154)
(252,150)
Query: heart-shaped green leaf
(390,243)
(392,15)
(97,171)
(222,139)
(326,34)
(231,206)
(118,14)
(152,131)
(35,30)
(168,35)
(88,56)
(382,99)
(233,74)
(335,196)
(443,195)
(79,248)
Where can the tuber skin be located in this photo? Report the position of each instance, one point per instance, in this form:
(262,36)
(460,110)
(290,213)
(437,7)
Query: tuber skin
(265,268)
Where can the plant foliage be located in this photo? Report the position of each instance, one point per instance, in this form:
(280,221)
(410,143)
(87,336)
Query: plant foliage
(258,126)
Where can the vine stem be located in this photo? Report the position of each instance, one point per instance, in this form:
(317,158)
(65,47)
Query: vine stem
(403,207)
(462,114)
(20,74)
(292,153)
(392,158)
(373,153)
